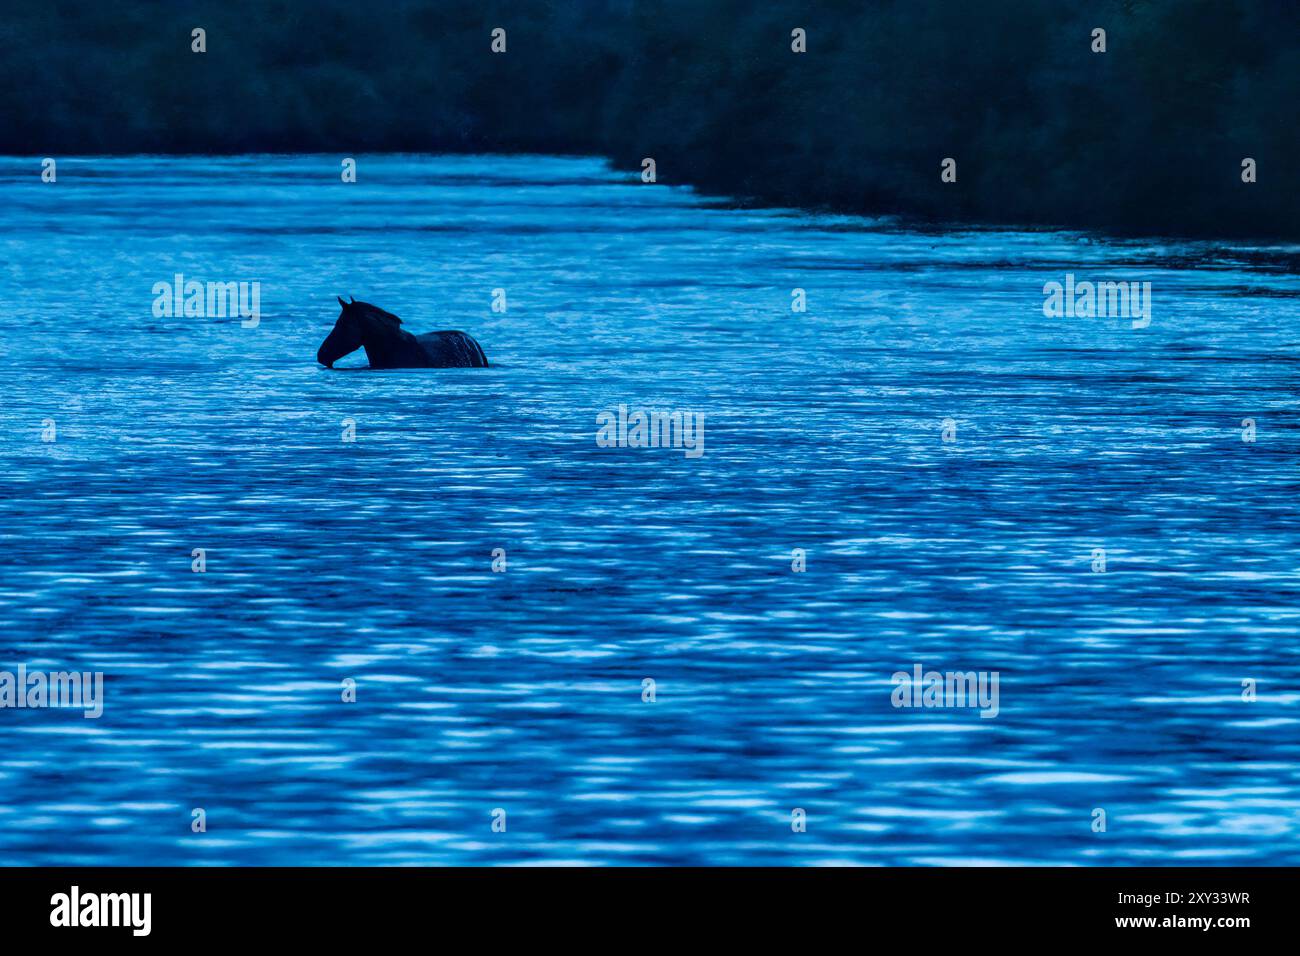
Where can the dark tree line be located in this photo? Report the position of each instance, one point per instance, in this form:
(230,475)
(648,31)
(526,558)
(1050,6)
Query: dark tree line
(1146,137)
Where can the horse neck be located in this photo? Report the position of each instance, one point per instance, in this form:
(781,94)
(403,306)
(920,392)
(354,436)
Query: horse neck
(383,341)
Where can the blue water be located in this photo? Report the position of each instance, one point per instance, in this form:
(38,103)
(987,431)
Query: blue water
(522,690)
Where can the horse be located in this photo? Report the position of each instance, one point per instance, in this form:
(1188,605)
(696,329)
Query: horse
(364,326)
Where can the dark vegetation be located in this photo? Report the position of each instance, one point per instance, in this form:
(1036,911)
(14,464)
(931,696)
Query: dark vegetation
(1147,137)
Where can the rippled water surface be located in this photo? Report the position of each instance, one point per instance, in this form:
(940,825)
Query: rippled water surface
(523,690)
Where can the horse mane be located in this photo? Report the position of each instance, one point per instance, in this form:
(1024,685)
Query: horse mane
(365,310)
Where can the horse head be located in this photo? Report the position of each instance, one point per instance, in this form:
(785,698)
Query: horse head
(362,325)
(346,336)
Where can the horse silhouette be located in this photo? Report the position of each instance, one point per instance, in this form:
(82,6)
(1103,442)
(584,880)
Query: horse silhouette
(363,326)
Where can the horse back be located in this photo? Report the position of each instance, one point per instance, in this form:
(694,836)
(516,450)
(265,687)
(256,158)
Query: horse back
(452,349)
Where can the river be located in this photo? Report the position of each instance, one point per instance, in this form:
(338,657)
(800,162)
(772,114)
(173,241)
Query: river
(1068,504)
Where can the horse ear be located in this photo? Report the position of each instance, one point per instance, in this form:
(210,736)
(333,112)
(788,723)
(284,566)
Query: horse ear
(341,302)
(351,299)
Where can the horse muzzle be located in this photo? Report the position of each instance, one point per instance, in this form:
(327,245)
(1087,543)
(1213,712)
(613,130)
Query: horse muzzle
(320,357)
